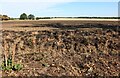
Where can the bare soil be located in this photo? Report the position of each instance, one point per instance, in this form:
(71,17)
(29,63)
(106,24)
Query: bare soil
(63,48)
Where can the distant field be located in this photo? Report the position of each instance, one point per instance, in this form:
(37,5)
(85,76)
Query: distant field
(14,24)
(84,19)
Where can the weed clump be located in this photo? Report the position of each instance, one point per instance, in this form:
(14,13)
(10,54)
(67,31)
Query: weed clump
(10,66)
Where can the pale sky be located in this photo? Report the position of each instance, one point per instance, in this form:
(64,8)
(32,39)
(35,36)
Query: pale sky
(57,8)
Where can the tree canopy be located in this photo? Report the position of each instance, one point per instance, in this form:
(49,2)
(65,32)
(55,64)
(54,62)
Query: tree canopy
(31,17)
(23,16)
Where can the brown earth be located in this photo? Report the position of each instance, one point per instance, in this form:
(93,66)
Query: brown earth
(63,48)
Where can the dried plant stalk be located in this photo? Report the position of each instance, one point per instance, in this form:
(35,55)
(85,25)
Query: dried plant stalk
(13,54)
(5,53)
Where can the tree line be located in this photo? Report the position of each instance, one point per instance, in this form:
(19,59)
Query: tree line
(31,17)
(24,16)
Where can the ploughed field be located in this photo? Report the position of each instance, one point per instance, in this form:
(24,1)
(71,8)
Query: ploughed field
(63,48)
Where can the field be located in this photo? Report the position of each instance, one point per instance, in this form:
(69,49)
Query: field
(62,47)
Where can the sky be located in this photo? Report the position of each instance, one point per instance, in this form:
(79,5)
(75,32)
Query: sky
(60,8)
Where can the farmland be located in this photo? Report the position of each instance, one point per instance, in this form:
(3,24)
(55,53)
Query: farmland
(62,47)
